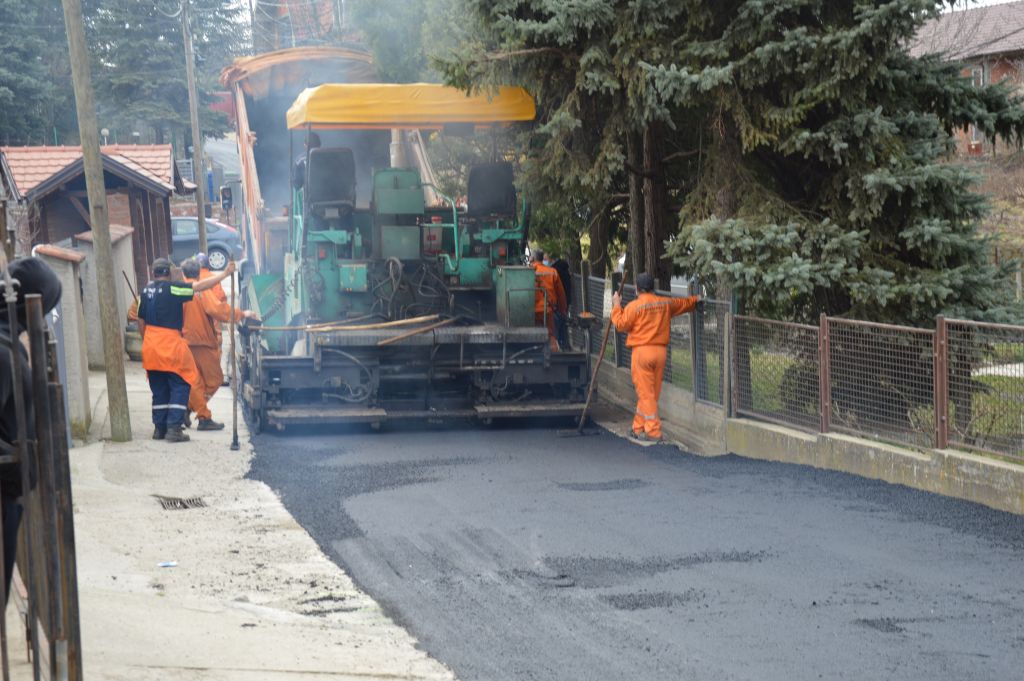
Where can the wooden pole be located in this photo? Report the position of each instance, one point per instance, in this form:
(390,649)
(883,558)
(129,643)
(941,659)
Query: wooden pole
(111,326)
(198,173)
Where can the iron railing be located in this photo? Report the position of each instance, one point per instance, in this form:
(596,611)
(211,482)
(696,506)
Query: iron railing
(45,583)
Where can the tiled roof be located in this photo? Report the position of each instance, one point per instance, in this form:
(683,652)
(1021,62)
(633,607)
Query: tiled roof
(976,32)
(59,252)
(31,166)
(117,232)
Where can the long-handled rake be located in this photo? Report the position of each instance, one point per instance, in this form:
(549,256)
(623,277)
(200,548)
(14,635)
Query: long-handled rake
(578,431)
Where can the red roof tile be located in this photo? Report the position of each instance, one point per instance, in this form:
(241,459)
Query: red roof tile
(31,166)
(59,252)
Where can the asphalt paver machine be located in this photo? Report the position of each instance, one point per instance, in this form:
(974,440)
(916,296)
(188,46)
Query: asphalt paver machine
(395,301)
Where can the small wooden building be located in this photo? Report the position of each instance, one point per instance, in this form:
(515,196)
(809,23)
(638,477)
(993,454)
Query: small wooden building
(49,184)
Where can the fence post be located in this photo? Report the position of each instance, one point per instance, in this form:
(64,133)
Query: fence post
(615,279)
(700,373)
(941,371)
(728,364)
(824,373)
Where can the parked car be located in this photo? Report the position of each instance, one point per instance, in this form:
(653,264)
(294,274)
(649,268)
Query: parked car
(222,241)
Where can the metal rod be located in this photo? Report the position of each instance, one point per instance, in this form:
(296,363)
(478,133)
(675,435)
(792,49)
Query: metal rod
(941,379)
(4,664)
(46,492)
(234,374)
(131,289)
(66,537)
(824,374)
(416,332)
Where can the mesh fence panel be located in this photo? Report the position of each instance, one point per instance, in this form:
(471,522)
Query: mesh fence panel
(709,350)
(595,305)
(882,381)
(777,371)
(577,337)
(623,355)
(679,371)
(986,387)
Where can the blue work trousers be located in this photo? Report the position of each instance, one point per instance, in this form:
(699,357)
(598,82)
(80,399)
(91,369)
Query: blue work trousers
(170,398)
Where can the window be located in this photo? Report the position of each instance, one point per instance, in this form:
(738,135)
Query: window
(186,227)
(978,76)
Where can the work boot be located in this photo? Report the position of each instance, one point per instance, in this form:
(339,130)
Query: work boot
(176,434)
(159,433)
(639,436)
(188,419)
(209,424)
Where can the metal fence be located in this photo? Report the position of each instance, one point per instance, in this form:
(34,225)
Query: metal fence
(985,380)
(881,381)
(776,372)
(45,583)
(683,353)
(960,384)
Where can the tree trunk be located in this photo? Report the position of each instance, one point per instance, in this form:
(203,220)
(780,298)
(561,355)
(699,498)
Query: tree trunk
(655,197)
(600,229)
(635,243)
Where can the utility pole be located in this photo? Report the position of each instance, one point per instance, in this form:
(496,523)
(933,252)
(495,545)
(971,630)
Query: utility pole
(198,172)
(111,326)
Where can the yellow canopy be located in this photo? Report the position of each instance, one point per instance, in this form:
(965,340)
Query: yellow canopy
(382,106)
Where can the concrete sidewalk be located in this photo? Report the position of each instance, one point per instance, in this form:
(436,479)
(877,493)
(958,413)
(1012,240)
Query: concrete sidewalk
(252,596)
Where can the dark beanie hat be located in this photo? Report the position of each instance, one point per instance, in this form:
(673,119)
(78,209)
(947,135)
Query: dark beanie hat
(162,267)
(33,276)
(644,282)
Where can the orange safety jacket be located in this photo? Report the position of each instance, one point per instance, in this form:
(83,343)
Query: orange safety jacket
(548,280)
(203,315)
(647,318)
(217,291)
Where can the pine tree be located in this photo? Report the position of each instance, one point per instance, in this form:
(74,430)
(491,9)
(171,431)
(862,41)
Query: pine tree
(598,139)
(25,87)
(831,148)
(139,60)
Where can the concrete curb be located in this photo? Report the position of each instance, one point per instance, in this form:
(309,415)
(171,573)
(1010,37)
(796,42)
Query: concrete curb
(703,429)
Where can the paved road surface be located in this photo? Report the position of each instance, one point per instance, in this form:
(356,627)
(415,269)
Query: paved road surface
(514,554)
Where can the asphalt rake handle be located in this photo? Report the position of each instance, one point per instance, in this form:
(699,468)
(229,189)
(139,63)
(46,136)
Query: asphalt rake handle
(597,368)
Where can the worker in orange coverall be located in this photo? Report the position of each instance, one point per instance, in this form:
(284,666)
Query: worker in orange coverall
(165,354)
(545,306)
(203,315)
(217,291)
(647,321)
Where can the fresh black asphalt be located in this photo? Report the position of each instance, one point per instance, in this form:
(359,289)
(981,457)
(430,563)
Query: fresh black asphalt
(516,554)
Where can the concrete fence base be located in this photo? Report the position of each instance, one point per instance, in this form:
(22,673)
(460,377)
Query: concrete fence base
(704,429)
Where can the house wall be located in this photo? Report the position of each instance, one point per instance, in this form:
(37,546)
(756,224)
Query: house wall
(1001,69)
(76,358)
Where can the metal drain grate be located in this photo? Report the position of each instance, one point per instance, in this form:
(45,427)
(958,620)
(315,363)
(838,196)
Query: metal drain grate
(179,504)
